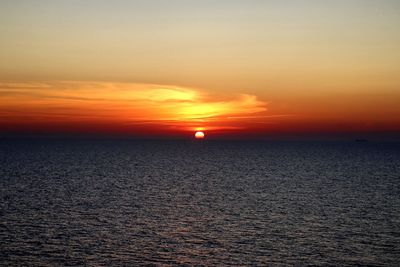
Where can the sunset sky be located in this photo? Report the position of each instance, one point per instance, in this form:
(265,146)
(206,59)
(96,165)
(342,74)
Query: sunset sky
(231,68)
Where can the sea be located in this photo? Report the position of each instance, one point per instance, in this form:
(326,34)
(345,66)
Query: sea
(110,202)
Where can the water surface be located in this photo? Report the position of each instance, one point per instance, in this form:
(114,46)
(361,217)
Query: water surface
(110,202)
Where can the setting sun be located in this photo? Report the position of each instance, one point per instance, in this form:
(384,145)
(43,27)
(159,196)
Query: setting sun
(199,135)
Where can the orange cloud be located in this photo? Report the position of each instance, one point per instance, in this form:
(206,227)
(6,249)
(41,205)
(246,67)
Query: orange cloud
(177,107)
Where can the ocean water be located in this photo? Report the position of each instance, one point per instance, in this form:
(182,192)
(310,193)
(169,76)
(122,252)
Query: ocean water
(211,203)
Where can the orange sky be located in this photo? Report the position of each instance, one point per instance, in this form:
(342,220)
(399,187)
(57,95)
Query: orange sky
(232,68)
(165,110)
(124,107)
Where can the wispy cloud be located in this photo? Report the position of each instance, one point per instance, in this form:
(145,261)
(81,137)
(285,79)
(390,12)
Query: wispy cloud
(127,103)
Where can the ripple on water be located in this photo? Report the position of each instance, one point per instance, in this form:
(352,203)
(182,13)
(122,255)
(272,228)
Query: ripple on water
(210,203)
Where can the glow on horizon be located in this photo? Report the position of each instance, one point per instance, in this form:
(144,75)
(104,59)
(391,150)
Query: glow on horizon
(50,103)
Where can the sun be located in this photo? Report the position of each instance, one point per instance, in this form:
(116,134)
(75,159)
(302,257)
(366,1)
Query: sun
(199,135)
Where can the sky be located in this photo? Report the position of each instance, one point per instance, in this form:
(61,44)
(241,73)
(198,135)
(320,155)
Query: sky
(231,68)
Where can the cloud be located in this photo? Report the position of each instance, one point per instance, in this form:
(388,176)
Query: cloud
(126,103)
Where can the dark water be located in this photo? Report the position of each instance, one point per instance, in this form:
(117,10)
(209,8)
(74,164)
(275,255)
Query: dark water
(112,203)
